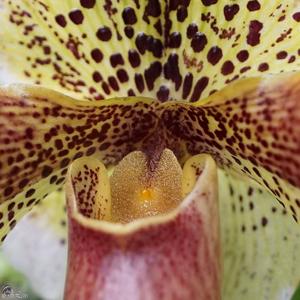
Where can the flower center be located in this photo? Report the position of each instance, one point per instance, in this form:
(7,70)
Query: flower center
(139,186)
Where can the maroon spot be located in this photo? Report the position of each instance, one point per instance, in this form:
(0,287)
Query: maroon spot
(63,153)
(152,73)
(296,16)
(227,67)
(156,48)
(139,82)
(253,37)
(23,183)
(10,215)
(292,59)
(263,67)
(253,5)
(230,11)
(87,3)
(171,70)
(116,59)
(20,205)
(281,55)
(113,83)
(245,69)
(97,76)
(104,146)
(151,44)
(152,9)
(129,31)
(199,88)
(129,16)
(91,151)
(198,42)
(191,30)
(104,34)
(175,40)
(96,55)
(105,88)
(209,2)
(140,42)
(243,55)
(214,55)
(30,202)
(11,206)
(59,181)
(76,16)
(29,193)
(47,50)
(46,171)
(163,93)
(130,93)
(61,20)
(187,85)
(8,191)
(122,75)
(264,221)
(53,179)
(181,13)
(134,58)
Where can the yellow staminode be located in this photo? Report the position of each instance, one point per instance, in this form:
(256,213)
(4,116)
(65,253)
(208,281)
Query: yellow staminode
(139,191)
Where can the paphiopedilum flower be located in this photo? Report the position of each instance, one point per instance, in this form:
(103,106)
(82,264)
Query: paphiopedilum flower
(163,83)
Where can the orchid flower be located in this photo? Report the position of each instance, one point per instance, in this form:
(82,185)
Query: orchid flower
(172,127)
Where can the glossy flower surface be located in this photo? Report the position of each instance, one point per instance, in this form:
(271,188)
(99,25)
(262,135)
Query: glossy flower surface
(193,77)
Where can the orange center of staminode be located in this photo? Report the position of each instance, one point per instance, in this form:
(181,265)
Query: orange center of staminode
(146,194)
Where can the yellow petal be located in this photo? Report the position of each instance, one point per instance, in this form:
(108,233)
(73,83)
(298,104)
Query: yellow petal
(42,132)
(250,127)
(165,50)
(260,243)
(222,41)
(86,49)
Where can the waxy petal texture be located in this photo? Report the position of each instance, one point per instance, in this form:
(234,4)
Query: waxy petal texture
(251,127)
(173,256)
(42,132)
(161,49)
(260,243)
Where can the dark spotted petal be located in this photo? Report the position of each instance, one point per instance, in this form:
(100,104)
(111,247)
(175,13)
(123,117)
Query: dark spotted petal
(251,127)
(175,255)
(163,49)
(42,131)
(87,49)
(260,243)
(218,41)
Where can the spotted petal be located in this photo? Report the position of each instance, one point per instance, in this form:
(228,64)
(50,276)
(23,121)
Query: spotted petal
(163,49)
(42,131)
(260,243)
(251,127)
(88,49)
(218,41)
(248,127)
